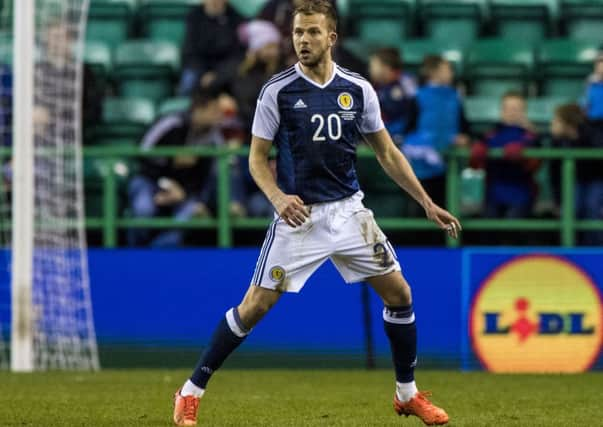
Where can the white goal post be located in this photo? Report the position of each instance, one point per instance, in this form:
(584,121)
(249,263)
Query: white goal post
(51,324)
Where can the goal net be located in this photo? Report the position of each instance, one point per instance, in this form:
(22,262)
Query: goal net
(45,308)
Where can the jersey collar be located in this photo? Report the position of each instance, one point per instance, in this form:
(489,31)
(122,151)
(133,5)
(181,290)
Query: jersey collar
(327,83)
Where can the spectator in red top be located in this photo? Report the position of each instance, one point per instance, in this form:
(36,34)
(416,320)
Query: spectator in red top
(510,187)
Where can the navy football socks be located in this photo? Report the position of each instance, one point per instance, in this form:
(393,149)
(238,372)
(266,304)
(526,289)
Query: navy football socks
(229,334)
(401,330)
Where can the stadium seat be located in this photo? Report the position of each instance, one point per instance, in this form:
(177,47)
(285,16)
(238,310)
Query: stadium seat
(482,112)
(526,20)
(248,8)
(413,52)
(460,20)
(174,105)
(385,22)
(583,19)
(383,196)
(110,20)
(124,121)
(540,110)
(165,20)
(473,189)
(97,54)
(146,69)
(6,49)
(563,66)
(495,66)
(95,169)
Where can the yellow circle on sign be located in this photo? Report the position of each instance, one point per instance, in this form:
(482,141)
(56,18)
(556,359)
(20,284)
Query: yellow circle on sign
(537,314)
(345,100)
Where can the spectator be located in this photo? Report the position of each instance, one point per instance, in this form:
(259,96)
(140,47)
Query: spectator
(594,97)
(183,186)
(396,91)
(510,187)
(263,60)
(211,48)
(571,129)
(441,124)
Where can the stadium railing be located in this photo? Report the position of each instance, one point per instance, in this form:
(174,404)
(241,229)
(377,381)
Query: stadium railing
(111,221)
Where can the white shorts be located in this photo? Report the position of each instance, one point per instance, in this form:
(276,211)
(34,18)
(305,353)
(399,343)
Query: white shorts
(343,231)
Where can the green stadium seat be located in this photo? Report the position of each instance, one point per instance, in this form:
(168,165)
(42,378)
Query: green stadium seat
(482,112)
(385,22)
(460,20)
(124,121)
(174,105)
(413,52)
(165,20)
(95,169)
(110,20)
(526,20)
(248,8)
(146,69)
(6,49)
(563,66)
(541,110)
(583,19)
(97,54)
(495,66)
(473,190)
(383,196)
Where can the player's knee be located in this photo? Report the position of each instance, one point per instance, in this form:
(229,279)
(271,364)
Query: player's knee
(398,295)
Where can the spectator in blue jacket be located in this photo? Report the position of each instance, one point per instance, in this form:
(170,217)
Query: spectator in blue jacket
(510,186)
(441,124)
(593,100)
(396,90)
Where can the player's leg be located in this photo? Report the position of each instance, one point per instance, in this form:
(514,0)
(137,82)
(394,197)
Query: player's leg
(228,335)
(400,328)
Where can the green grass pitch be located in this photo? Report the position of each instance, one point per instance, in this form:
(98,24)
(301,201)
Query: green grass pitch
(296,398)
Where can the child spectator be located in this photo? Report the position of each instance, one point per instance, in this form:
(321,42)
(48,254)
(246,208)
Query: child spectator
(396,91)
(181,186)
(510,187)
(441,124)
(211,46)
(571,129)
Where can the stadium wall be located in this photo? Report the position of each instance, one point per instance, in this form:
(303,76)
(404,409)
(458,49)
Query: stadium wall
(523,305)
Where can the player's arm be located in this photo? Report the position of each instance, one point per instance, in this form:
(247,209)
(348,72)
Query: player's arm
(397,167)
(289,207)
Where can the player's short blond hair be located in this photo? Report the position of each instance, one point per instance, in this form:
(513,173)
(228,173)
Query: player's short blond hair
(323,7)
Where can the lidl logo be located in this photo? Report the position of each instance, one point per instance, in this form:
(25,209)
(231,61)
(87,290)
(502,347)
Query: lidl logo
(537,314)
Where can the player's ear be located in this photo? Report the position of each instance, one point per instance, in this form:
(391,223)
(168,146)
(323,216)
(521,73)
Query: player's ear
(332,38)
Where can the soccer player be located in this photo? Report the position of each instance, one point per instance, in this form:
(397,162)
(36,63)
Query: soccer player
(316,113)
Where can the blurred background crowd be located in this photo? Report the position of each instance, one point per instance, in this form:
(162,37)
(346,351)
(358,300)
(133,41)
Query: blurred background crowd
(471,75)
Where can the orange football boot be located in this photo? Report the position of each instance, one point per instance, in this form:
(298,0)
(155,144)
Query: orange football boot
(185,409)
(422,408)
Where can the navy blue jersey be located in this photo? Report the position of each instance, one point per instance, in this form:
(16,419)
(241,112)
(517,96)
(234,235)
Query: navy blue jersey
(316,129)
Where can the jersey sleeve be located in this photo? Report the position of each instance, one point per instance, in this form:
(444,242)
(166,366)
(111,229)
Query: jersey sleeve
(266,119)
(371,120)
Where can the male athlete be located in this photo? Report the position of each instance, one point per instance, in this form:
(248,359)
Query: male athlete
(316,112)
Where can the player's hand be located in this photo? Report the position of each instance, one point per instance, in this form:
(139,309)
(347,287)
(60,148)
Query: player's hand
(170,193)
(291,209)
(444,219)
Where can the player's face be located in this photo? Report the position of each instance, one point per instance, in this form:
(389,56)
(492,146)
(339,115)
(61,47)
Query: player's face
(312,38)
(599,68)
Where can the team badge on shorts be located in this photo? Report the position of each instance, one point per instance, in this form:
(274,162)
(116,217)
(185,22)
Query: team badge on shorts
(277,274)
(345,100)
